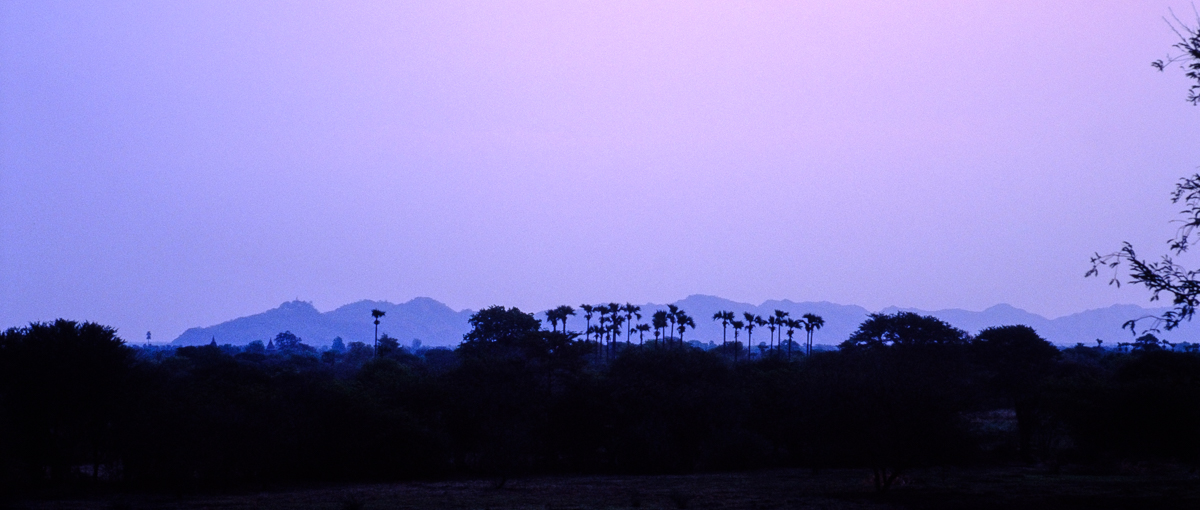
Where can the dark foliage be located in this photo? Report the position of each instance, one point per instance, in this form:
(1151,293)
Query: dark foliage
(904,329)
(81,410)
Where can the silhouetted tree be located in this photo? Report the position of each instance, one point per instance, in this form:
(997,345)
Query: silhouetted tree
(562,312)
(286,341)
(780,321)
(659,320)
(1146,342)
(377,313)
(631,311)
(685,321)
(724,317)
(751,322)
(737,328)
(791,324)
(588,312)
(812,323)
(386,346)
(1015,362)
(672,317)
(496,324)
(903,329)
(64,393)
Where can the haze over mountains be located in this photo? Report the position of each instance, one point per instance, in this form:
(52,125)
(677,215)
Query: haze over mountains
(436,324)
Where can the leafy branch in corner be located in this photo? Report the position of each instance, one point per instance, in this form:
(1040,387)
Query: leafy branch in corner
(1166,276)
(1189,46)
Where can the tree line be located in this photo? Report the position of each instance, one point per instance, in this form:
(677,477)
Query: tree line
(611,317)
(82,410)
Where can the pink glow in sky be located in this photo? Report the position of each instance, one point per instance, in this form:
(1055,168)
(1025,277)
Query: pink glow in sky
(174,164)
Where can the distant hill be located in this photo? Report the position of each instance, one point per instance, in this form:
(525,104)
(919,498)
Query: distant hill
(422,318)
(436,324)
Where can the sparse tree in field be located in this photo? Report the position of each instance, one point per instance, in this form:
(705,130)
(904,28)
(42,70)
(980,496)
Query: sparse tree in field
(377,313)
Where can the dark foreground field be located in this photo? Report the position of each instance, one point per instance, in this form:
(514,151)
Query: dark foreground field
(1133,487)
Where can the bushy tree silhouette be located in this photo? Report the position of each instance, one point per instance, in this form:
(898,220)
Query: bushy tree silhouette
(904,329)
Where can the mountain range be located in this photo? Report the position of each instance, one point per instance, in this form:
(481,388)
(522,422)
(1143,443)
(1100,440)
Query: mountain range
(436,324)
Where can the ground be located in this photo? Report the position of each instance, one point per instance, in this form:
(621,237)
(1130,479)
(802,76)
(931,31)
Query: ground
(975,488)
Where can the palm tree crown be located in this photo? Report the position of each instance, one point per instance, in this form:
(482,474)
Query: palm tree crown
(812,322)
(724,317)
(659,321)
(631,311)
(377,313)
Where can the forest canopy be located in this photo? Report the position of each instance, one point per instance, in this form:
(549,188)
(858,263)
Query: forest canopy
(81,408)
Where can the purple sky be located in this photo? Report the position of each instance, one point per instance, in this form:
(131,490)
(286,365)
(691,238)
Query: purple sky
(174,164)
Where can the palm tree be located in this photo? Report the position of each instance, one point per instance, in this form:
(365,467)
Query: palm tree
(791,324)
(751,321)
(659,320)
(684,322)
(672,315)
(771,322)
(737,328)
(631,311)
(724,317)
(602,329)
(552,317)
(614,323)
(642,329)
(812,322)
(614,334)
(377,313)
(780,321)
(588,311)
(563,312)
(595,330)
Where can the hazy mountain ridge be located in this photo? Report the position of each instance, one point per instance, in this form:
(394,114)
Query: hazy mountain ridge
(421,318)
(436,324)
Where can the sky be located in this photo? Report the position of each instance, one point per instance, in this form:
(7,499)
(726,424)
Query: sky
(165,165)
